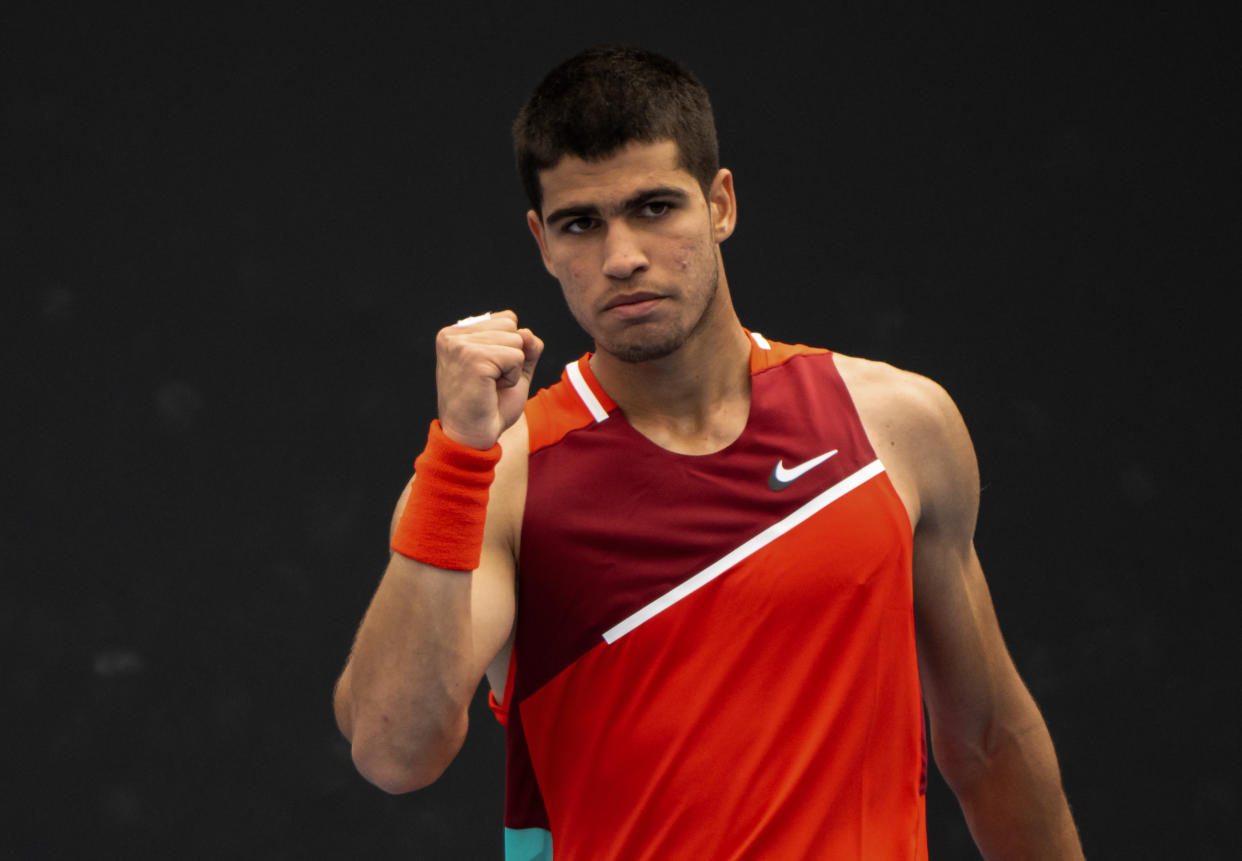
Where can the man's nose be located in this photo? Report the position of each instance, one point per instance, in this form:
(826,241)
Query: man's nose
(623,254)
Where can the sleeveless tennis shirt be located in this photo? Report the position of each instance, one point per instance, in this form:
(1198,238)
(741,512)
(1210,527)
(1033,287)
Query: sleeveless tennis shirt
(714,655)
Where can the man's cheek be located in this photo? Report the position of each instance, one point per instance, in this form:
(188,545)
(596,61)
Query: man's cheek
(688,251)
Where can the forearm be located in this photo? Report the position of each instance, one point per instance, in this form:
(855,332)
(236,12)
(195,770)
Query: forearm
(404,696)
(435,624)
(1010,792)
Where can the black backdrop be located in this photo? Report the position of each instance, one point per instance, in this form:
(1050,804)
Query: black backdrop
(229,237)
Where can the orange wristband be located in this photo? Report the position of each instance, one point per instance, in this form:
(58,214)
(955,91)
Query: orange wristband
(442,522)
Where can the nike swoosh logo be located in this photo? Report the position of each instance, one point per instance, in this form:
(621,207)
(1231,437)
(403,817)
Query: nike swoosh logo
(783,476)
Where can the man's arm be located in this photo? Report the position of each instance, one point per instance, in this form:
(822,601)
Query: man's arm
(430,633)
(988,738)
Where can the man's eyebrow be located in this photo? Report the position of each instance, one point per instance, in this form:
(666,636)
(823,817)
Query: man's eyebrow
(573,211)
(590,209)
(652,193)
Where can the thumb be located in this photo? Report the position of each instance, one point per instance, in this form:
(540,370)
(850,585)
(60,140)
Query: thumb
(532,349)
(512,398)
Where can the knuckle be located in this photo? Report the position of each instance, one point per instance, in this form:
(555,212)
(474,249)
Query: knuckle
(445,338)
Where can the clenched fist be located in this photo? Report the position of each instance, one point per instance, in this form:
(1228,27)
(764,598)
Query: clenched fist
(483,371)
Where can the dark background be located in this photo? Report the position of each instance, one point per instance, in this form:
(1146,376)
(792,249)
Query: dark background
(229,237)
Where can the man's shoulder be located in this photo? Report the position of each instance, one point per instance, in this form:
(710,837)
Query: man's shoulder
(916,429)
(573,402)
(506,499)
(515,449)
(893,393)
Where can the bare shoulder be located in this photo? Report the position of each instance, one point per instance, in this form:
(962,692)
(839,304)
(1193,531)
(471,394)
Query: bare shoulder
(894,396)
(507,500)
(917,431)
(515,442)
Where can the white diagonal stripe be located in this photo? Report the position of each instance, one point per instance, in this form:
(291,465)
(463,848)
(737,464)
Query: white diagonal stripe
(720,566)
(760,341)
(584,391)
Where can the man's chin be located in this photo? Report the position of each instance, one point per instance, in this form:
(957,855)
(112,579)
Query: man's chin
(646,349)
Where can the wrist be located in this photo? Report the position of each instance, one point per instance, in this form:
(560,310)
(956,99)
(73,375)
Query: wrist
(450,433)
(444,515)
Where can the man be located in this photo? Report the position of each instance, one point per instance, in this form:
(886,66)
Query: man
(713,578)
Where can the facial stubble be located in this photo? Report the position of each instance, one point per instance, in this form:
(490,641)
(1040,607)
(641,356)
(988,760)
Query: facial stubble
(670,342)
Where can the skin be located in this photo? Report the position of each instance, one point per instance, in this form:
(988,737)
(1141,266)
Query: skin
(607,236)
(635,244)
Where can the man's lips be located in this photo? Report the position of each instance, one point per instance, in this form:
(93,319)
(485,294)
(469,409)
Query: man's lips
(628,306)
(630,299)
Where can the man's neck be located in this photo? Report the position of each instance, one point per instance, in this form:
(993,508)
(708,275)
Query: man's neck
(696,400)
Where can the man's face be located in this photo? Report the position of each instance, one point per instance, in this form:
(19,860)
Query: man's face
(634,244)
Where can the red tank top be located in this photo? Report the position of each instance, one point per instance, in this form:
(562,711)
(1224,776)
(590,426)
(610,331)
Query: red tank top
(714,655)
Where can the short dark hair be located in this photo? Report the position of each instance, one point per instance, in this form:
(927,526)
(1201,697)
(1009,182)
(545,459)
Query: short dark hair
(596,102)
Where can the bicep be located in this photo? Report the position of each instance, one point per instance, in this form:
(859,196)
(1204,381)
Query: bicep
(969,680)
(967,675)
(494,607)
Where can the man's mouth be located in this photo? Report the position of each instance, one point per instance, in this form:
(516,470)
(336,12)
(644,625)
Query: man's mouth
(632,306)
(636,298)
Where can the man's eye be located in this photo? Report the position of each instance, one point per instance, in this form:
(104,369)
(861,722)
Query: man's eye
(578,225)
(654,208)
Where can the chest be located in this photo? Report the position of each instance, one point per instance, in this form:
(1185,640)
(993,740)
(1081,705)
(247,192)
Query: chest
(613,522)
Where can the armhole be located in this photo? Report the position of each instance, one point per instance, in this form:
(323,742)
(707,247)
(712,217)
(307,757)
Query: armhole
(501,710)
(909,519)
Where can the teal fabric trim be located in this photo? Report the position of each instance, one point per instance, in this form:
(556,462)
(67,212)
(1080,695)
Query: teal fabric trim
(528,844)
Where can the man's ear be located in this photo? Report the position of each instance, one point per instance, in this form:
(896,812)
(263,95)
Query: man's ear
(722,203)
(535,223)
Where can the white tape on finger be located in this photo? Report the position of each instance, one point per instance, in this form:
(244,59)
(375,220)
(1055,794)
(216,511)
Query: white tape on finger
(466,321)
